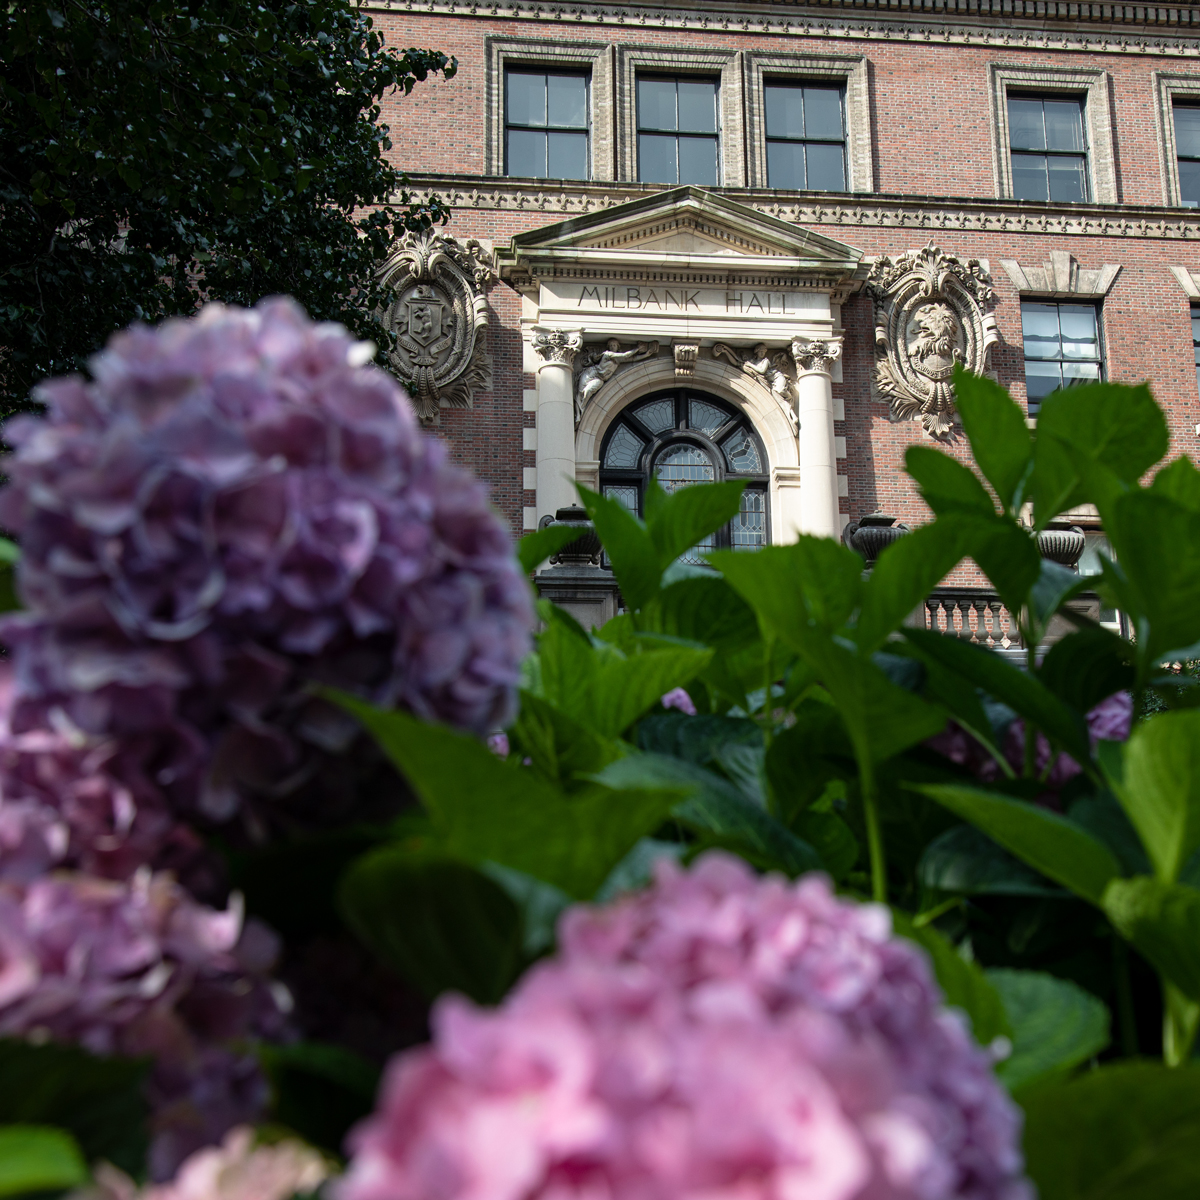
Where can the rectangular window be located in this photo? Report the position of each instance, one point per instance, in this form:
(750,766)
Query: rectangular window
(1062,347)
(1049,157)
(677,131)
(546,125)
(1187,147)
(806,137)
(1196,340)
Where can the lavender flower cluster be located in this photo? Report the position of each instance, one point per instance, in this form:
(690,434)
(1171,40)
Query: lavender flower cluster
(716,1035)
(236,510)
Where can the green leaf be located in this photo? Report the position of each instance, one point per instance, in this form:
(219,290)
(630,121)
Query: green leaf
(1000,440)
(1126,1131)
(702,609)
(831,838)
(534,548)
(1056,1026)
(1158,546)
(1014,687)
(1162,920)
(713,806)
(560,749)
(966,862)
(439,922)
(98,1100)
(320,1090)
(1087,666)
(688,515)
(799,763)
(598,686)
(963,983)
(1156,777)
(904,575)
(1179,481)
(802,591)
(628,545)
(485,809)
(946,484)
(1049,843)
(35,1158)
(1053,587)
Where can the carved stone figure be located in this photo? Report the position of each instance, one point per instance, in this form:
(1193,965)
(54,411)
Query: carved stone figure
(770,369)
(439,317)
(599,366)
(931,311)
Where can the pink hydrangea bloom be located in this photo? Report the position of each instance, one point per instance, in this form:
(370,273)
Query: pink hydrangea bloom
(678,698)
(236,1170)
(235,510)
(715,1036)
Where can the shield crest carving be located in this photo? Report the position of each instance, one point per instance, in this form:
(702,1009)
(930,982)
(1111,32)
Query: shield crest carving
(424,316)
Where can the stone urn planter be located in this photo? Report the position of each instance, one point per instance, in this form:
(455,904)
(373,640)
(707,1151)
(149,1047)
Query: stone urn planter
(1062,542)
(585,550)
(870,535)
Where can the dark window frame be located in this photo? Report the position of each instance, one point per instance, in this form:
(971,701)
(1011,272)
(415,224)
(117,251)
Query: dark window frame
(519,68)
(1196,341)
(1085,154)
(829,85)
(1034,405)
(656,444)
(678,77)
(1183,158)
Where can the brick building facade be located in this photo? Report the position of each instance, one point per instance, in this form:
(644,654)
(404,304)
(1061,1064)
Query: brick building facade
(1049,151)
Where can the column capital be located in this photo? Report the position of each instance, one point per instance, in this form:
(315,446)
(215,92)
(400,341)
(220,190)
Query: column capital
(815,355)
(557,347)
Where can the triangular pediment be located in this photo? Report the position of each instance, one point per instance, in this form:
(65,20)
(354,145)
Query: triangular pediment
(684,228)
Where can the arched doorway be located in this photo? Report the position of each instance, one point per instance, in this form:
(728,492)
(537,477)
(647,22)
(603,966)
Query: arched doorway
(683,438)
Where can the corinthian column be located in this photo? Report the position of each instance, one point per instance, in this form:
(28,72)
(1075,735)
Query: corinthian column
(556,418)
(818,458)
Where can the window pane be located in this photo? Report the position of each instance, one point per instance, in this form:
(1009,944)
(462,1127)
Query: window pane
(1039,330)
(1041,378)
(697,106)
(1189,183)
(1095,544)
(785,165)
(626,496)
(1029,177)
(624,449)
(657,416)
(823,113)
(741,453)
(785,114)
(1196,327)
(1078,325)
(1080,372)
(748,530)
(656,104)
(527,153)
(656,159)
(679,466)
(706,418)
(1067,180)
(1187,131)
(826,167)
(1064,124)
(526,99)
(1025,128)
(566,100)
(698,160)
(567,156)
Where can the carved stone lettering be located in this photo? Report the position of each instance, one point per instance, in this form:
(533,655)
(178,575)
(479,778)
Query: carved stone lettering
(439,318)
(931,311)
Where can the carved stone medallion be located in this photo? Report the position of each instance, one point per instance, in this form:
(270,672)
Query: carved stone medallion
(931,311)
(439,317)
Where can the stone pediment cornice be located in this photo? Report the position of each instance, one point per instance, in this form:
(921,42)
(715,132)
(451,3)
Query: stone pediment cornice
(840,213)
(1172,30)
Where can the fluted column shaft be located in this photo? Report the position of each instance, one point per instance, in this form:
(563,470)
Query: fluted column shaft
(818,455)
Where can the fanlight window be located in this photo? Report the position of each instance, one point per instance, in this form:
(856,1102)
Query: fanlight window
(683,440)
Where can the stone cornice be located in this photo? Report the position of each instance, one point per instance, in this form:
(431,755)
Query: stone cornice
(920,213)
(1019,25)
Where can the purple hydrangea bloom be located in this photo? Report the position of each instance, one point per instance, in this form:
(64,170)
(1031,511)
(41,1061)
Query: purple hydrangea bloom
(235,510)
(717,1035)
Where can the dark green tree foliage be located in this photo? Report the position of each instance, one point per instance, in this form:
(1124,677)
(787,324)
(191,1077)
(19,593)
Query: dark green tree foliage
(154,156)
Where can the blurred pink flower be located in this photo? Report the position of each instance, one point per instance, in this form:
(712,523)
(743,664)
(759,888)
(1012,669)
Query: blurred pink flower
(497,743)
(716,1036)
(678,698)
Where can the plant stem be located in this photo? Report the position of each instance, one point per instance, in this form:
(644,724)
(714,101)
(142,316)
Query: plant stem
(1030,731)
(1181,1017)
(931,914)
(768,719)
(870,799)
(1125,1014)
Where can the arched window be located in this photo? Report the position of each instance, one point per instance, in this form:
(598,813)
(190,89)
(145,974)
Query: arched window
(686,438)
